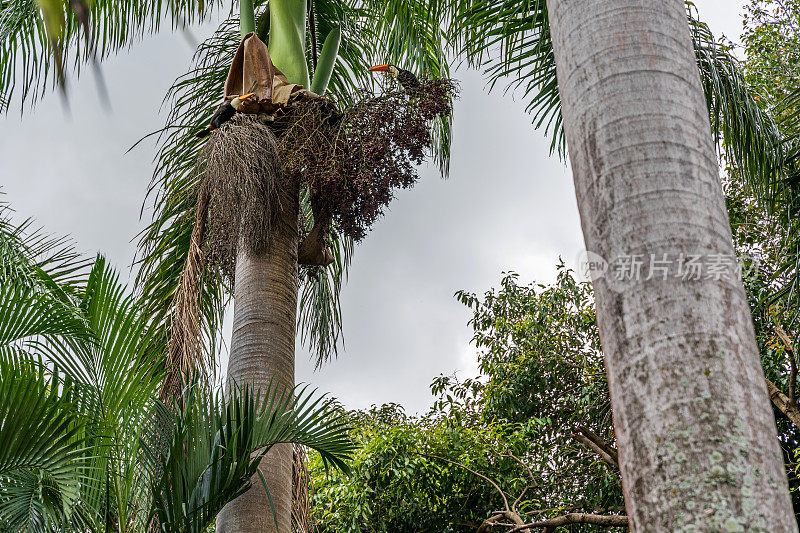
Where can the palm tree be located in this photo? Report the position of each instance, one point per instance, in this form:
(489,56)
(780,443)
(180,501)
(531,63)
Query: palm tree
(516,41)
(266,289)
(86,445)
(678,348)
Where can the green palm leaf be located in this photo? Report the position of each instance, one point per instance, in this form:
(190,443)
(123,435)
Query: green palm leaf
(209,460)
(164,244)
(510,40)
(119,373)
(38,38)
(750,137)
(109,360)
(32,259)
(42,449)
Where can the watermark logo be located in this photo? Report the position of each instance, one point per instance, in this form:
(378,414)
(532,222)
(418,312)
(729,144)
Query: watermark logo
(625,270)
(592,266)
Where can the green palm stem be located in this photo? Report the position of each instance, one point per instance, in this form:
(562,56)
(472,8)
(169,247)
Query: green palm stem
(312,31)
(327,59)
(287,36)
(247,17)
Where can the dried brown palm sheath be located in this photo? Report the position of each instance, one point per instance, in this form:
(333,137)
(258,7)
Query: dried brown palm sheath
(302,518)
(184,355)
(241,171)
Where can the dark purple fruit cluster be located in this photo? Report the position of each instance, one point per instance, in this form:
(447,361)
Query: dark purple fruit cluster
(352,163)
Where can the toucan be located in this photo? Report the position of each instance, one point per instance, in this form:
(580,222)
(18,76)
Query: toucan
(404,77)
(223,114)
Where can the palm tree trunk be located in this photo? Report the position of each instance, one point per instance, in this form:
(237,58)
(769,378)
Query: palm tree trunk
(696,435)
(262,349)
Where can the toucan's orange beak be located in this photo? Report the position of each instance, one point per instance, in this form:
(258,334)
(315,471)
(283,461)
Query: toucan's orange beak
(379,68)
(246,96)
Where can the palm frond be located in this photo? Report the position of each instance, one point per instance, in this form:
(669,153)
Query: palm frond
(33,259)
(32,322)
(788,110)
(320,310)
(42,449)
(510,41)
(750,137)
(164,244)
(319,317)
(38,276)
(301,416)
(104,359)
(210,459)
(37,41)
(118,373)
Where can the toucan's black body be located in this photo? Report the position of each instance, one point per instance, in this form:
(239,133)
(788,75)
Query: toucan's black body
(222,115)
(407,79)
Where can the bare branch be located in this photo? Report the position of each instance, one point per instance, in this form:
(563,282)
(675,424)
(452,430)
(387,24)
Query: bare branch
(783,403)
(521,495)
(606,452)
(487,524)
(594,437)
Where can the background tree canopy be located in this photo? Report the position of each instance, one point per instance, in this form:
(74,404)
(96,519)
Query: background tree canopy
(513,437)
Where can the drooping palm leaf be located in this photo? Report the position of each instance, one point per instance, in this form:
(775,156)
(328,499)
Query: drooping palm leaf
(510,41)
(164,244)
(30,28)
(749,136)
(785,199)
(319,318)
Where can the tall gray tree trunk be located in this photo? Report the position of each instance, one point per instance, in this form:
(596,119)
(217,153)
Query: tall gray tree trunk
(262,349)
(697,438)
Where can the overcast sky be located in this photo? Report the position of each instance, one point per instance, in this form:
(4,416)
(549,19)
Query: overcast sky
(508,205)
